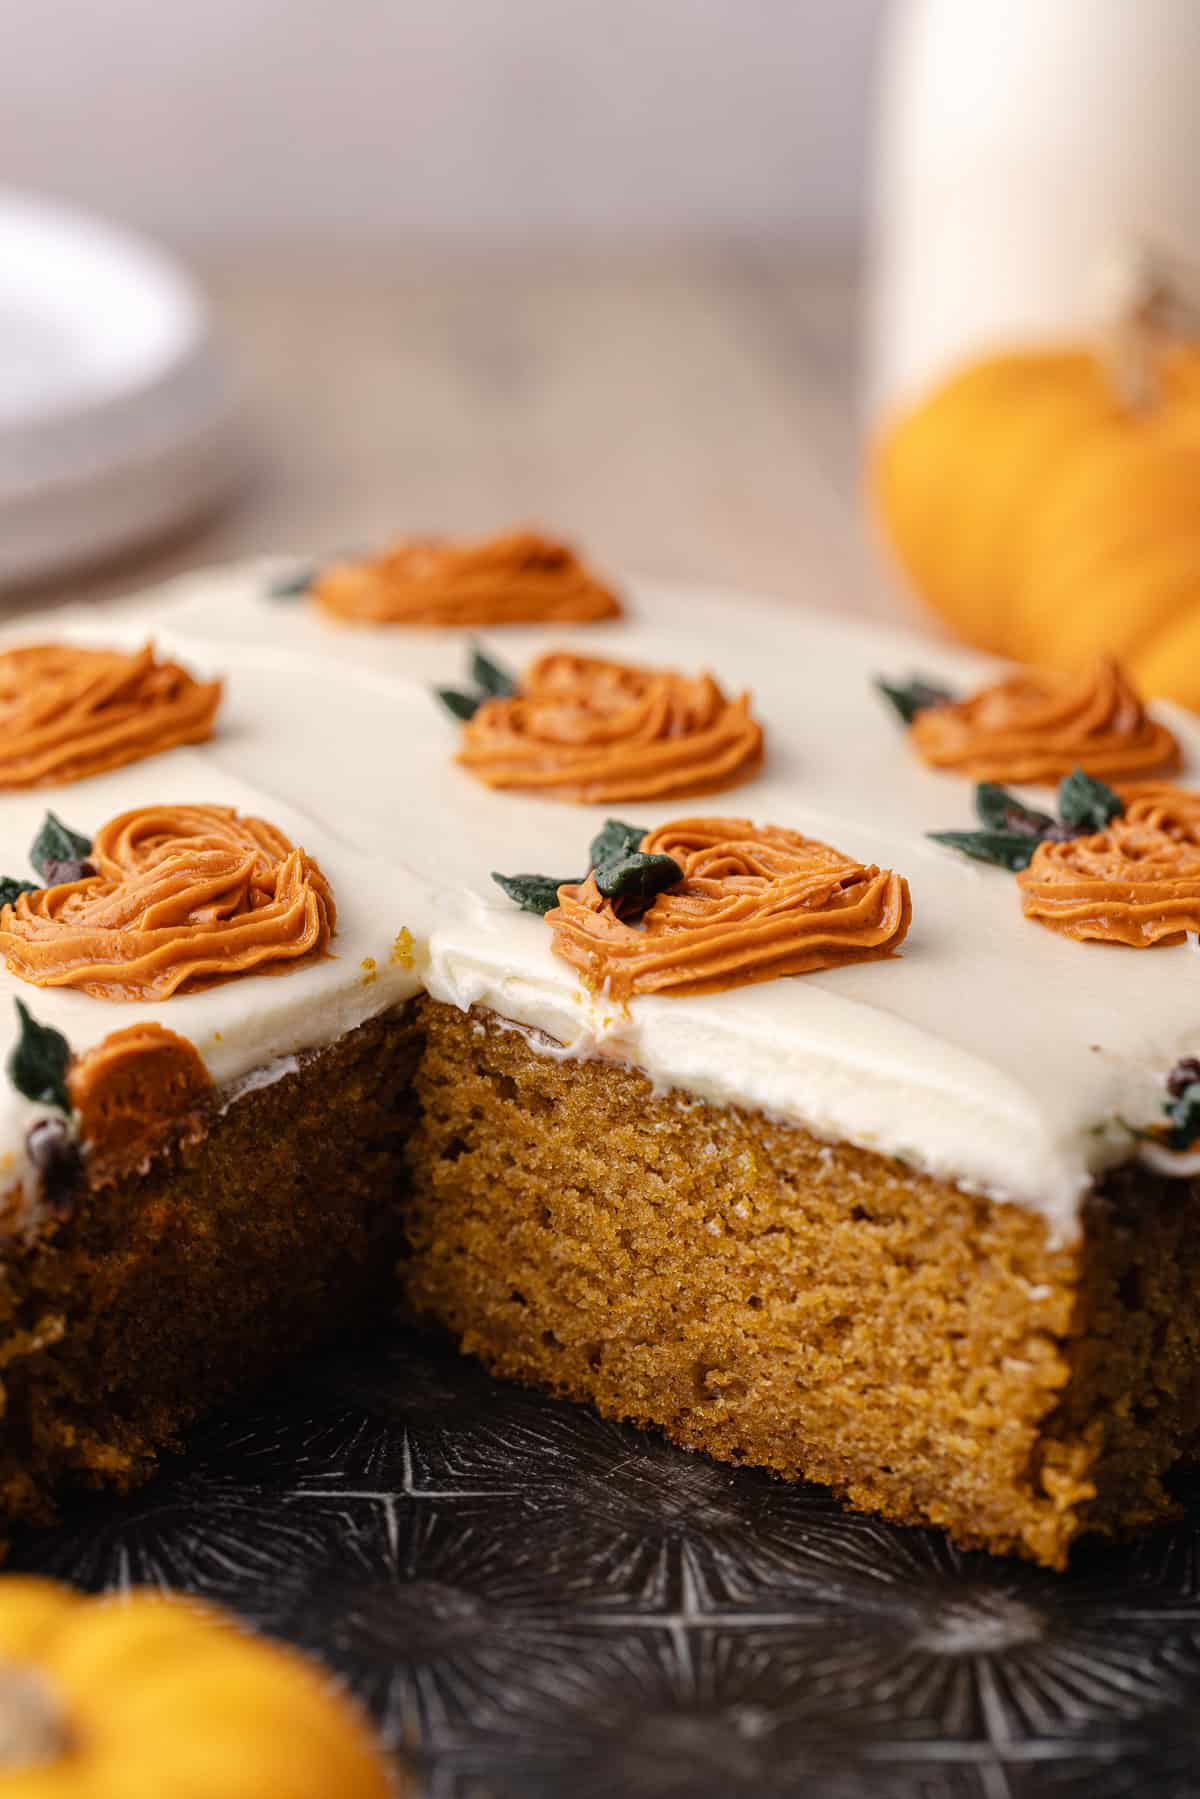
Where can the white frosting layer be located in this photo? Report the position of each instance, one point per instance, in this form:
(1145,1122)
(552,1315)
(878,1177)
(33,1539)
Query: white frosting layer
(992,1052)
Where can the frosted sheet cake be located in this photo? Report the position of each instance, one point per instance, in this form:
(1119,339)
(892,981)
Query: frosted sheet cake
(797,1137)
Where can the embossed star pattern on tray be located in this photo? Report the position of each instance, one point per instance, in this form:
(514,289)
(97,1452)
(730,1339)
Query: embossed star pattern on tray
(538,1604)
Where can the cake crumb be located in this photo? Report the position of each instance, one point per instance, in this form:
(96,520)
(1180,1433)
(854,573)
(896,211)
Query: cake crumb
(403,950)
(838,1299)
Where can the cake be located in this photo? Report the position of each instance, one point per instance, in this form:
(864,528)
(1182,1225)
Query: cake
(876,1181)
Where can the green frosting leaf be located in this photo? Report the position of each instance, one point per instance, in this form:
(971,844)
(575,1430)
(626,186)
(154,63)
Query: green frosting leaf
(1004,849)
(913,696)
(637,879)
(1183,1114)
(999,810)
(533,893)
(616,839)
(1013,830)
(492,680)
(1087,803)
(622,869)
(10,889)
(462,705)
(295,585)
(37,1066)
(56,842)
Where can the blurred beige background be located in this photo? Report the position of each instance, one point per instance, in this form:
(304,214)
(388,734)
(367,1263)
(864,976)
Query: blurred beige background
(479,121)
(589,264)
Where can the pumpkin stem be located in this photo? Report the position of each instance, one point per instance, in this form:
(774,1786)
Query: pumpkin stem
(1150,308)
(33,1729)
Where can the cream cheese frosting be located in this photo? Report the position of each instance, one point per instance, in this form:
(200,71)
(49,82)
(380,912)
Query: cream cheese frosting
(240,1026)
(987,1053)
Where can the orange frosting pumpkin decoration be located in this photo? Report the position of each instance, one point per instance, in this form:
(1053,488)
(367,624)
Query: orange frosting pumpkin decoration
(131,1091)
(1136,882)
(1037,726)
(588,729)
(67,712)
(182,896)
(1116,866)
(755,903)
(516,579)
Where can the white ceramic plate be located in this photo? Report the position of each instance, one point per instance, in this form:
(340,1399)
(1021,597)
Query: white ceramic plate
(117,412)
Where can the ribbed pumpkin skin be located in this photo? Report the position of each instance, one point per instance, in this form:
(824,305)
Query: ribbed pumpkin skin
(1045,521)
(162,1699)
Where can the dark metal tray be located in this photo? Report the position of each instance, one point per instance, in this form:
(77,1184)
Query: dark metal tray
(535,1603)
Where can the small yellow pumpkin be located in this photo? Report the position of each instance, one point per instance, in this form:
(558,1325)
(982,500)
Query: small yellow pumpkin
(1047,503)
(150,1697)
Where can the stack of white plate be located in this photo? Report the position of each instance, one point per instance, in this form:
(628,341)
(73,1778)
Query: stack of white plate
(117,411)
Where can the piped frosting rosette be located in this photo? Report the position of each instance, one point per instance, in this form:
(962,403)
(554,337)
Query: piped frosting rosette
(1037,726)
(588,729)
(755,903)
(1137,882)
(517,579)
(67,712)
(182,896)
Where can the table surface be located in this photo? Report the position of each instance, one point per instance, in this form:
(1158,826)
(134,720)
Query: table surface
(534,1603)
(683,417)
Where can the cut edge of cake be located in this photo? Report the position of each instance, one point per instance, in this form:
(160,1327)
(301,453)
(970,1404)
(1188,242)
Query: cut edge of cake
(751,1291)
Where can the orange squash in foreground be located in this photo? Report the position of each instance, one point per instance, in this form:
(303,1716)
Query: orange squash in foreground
(1048,518)
(149,1697)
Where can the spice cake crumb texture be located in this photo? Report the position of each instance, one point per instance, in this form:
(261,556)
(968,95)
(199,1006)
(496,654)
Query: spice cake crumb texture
(811,1308)
(887,1224)
(156,1295)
